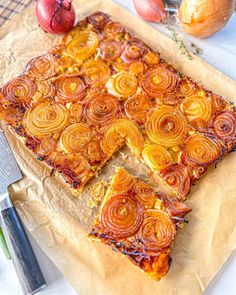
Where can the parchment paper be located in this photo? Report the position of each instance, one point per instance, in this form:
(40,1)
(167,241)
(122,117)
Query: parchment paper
(58,221)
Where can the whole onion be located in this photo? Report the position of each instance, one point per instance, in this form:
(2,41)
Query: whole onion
(55,16)
(203,18)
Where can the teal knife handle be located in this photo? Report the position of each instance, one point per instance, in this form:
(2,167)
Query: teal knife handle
(3,245)
(25,261)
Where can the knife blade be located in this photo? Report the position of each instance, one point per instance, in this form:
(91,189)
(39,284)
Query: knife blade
(9,171)
(24,259)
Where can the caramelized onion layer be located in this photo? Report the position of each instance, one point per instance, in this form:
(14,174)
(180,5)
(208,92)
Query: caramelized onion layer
(75,137)
(98,19)
(19,90)
(144,194)
(10,116)
(122,84)
(46,146)
(76,111)
(137,107)
(45,119)
(134,50)
(196,107)
(110,49)
(223,125)
(201,150)
(42,67)
(122,216)
(159,79)
(156,156)
(187,88)
(83,45)
(122,182)
(151,58)
(167,126)
(120,132)
(45,89)
(69,88)
(175,207)
(96,72)
(157,231)
(177,177)
(113,28)
(102,109)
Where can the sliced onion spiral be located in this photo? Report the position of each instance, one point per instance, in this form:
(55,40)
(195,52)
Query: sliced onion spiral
(156,156)
(46,146)
(42,67)
(201,150)
(110,49)
(157,231)
(45,119)
(76,111)
(96,72)
(144,194)
(167,126)
(134,50)
(83,45)
(137,107)
(122,216)
(177,177)
(69,88)
(75,137)
(122,131)
(122,182)
(223,125)
(98,19)
(101,109)
(19,90)
(113,28)
(196,108)
(159,79)
(122,84)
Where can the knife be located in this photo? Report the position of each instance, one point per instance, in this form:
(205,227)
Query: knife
(24,259)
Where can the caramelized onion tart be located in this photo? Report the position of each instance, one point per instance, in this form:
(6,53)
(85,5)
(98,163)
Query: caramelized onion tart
(101,88)
(138,222)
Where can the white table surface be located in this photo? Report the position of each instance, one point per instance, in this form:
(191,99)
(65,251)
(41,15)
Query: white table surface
(218,50)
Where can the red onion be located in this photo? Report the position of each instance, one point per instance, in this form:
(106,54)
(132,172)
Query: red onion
(151,10)
(55,16)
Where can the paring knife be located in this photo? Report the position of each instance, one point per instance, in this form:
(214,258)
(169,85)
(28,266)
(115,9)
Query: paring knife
(26,264)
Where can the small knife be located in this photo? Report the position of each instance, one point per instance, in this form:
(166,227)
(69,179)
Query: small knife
(24,259)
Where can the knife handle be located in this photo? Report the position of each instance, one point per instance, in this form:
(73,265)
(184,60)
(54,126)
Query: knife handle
(24,259)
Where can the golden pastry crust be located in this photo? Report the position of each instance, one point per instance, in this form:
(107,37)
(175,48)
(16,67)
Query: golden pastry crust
(102,88)
(138,222)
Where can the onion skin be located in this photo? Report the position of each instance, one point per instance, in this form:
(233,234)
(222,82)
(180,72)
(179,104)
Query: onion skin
(203,18)
(55,16)
(151,10)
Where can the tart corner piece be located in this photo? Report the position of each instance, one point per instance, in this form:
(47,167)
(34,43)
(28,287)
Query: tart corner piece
(138,222)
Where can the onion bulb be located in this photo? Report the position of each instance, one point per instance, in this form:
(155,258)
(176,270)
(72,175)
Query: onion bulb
(202,18)
(151,10)
(55,16)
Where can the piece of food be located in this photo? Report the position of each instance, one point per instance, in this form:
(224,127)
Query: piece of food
(102,88)
(138,222)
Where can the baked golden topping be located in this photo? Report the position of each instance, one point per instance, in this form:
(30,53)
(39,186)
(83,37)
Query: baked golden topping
(102,88)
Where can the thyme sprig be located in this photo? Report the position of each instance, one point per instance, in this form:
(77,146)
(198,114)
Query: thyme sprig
(183,46)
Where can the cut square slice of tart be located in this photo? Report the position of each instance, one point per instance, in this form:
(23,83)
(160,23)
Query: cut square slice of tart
(139,222)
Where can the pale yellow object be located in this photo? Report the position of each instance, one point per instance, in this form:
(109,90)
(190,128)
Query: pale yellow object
(59,221)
